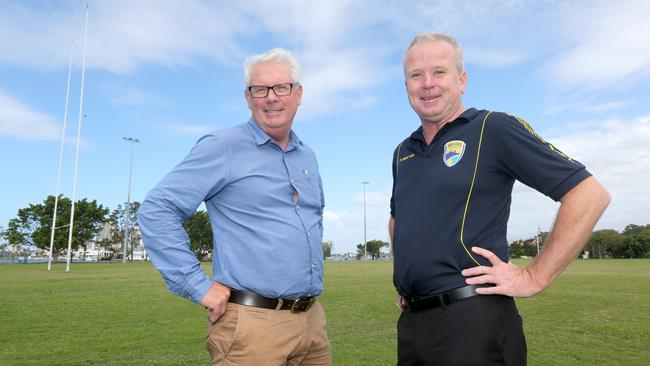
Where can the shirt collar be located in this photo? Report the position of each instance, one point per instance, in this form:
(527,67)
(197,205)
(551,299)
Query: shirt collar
(262,137)
(466,116)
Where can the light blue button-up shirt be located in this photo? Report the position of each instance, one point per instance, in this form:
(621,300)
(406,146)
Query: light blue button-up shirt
(263,241)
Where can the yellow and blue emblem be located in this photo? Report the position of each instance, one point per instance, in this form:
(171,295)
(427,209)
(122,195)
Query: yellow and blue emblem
(454,151)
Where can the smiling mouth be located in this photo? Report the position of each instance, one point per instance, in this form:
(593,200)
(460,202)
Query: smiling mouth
(430,98)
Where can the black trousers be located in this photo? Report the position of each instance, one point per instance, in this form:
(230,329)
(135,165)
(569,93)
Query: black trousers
(480,330)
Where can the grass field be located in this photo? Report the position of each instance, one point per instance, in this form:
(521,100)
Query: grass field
(596,313)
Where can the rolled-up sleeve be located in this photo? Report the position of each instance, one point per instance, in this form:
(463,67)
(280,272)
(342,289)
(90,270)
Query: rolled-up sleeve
(201,175)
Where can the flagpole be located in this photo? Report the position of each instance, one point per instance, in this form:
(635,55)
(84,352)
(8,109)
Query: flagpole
(58,172)
(76,163)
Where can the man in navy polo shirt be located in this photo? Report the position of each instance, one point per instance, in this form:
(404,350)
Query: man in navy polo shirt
(452,185)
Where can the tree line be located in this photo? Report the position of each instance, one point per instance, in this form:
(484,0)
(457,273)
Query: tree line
(31,229)
(632,242)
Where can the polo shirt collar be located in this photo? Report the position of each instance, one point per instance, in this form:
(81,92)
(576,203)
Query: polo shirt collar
(262,137)
(466,116)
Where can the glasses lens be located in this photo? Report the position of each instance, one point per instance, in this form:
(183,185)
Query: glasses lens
(259,91)
(282,89)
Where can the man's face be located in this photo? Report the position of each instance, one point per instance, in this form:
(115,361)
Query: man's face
(433,82)
(274,114)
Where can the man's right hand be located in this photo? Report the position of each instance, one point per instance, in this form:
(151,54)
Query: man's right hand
(400,303)
(216,301)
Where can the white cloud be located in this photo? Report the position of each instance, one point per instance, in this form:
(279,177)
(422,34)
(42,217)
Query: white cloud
(341,60)
(606,106)
(587,106)
(121,34)
(494,57)
(617,153)
(163,32)
(607,46)
(345,228)
(21,120)
(373,199)
(129,95)
(190,129)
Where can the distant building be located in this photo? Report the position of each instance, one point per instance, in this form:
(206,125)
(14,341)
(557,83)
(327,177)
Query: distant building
(94,252)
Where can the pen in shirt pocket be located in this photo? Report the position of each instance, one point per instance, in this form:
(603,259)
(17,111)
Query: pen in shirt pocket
(307,174)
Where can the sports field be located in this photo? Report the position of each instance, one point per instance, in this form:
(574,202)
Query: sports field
(596,313)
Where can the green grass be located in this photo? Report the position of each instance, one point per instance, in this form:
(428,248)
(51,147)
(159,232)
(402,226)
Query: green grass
(597,312)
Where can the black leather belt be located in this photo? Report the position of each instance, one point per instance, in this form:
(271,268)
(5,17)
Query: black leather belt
(414,304)
(250,299)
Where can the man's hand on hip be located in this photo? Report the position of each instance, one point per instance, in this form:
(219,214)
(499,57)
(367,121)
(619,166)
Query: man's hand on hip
(507,278)
(400,303)
(216,301)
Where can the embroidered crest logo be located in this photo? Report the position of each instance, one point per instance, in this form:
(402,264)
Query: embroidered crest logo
(454,151)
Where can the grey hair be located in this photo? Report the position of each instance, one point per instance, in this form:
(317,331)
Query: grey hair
(437,36)
(278,55)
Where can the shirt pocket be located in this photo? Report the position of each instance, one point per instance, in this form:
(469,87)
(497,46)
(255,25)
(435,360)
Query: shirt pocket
(309,188)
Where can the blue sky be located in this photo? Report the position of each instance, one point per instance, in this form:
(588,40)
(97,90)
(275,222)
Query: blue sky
(167,72)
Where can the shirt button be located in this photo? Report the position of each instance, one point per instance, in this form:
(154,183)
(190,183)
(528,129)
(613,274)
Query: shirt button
(308,234)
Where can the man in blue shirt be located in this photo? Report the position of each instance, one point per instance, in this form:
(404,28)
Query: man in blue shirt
(452,185)
(263,192)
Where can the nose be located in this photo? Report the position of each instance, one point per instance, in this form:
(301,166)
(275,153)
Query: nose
(271,96)
(428,81)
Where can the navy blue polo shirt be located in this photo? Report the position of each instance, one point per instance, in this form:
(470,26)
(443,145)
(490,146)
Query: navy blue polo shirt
(440,191)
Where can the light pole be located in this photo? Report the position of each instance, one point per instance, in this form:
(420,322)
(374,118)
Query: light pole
(127,216)
(537,240)
(365,242)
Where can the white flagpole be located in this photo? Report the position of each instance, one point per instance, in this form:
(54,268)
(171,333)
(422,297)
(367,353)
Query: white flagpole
(76,163)
(58,172)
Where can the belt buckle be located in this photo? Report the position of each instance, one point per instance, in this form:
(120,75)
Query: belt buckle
(302,304)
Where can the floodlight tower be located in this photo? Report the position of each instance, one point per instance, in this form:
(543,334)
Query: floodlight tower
(127,209)
(365,241)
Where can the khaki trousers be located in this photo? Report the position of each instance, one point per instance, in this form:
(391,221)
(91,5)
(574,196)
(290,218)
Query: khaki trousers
(246,335)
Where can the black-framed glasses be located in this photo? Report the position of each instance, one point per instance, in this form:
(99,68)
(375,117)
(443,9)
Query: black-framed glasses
(261,91)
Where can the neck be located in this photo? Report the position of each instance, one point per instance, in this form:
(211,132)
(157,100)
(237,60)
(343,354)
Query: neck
(431,128)
(283,143)
(281,136)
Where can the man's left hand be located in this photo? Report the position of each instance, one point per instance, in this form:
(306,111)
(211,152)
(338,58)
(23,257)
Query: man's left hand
(507,278)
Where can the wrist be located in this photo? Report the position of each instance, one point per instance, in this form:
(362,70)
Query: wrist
(536,281)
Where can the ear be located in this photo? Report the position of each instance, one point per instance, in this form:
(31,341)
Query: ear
(299,93)
(249,99)
(463,82)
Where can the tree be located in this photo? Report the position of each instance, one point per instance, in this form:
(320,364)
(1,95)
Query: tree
(117,219)
(635,229)
(6,249)
(32,226)
(328,246)
(523,248)
(604,243)
(636,241)
(199,231)
(372,247)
